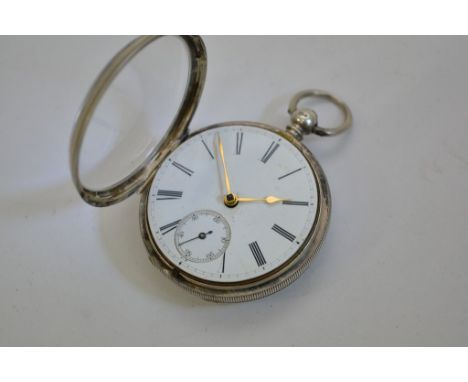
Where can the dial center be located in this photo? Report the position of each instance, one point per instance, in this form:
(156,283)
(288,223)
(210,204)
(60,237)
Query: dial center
(202,235)
(231,200)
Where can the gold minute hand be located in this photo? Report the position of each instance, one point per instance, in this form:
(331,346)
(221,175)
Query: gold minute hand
(268,199)
(226,177)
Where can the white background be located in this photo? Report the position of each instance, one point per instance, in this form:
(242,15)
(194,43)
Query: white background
(393,267)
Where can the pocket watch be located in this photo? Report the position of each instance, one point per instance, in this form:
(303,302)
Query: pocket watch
(231,212)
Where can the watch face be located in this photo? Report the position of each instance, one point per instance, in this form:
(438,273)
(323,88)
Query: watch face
(232,204)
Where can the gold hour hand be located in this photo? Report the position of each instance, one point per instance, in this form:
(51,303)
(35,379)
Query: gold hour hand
(268,199)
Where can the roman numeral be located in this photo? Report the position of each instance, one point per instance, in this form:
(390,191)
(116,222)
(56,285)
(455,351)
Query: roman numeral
(283,232)
(239,139)
(183,168)
(169,195)
(289,173)
(271,150)
(294,203)
(207,149)
(169,227)
(257,253)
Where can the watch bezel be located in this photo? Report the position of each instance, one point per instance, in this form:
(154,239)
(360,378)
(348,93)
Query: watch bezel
(261,286)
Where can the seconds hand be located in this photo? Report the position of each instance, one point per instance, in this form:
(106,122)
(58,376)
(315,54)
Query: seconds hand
(201,235)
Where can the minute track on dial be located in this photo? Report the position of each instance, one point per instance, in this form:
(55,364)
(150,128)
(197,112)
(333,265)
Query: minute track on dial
(263,224)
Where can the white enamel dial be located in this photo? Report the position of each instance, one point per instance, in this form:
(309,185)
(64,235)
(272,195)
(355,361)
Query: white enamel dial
(277,206)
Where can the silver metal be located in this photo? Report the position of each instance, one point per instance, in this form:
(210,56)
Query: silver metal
(265,285)
(176,132)
(305,121)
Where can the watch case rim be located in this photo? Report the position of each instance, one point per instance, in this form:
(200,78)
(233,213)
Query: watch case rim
(265,285)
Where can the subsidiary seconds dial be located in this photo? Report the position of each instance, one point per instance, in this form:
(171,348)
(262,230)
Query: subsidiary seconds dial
(202,236)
